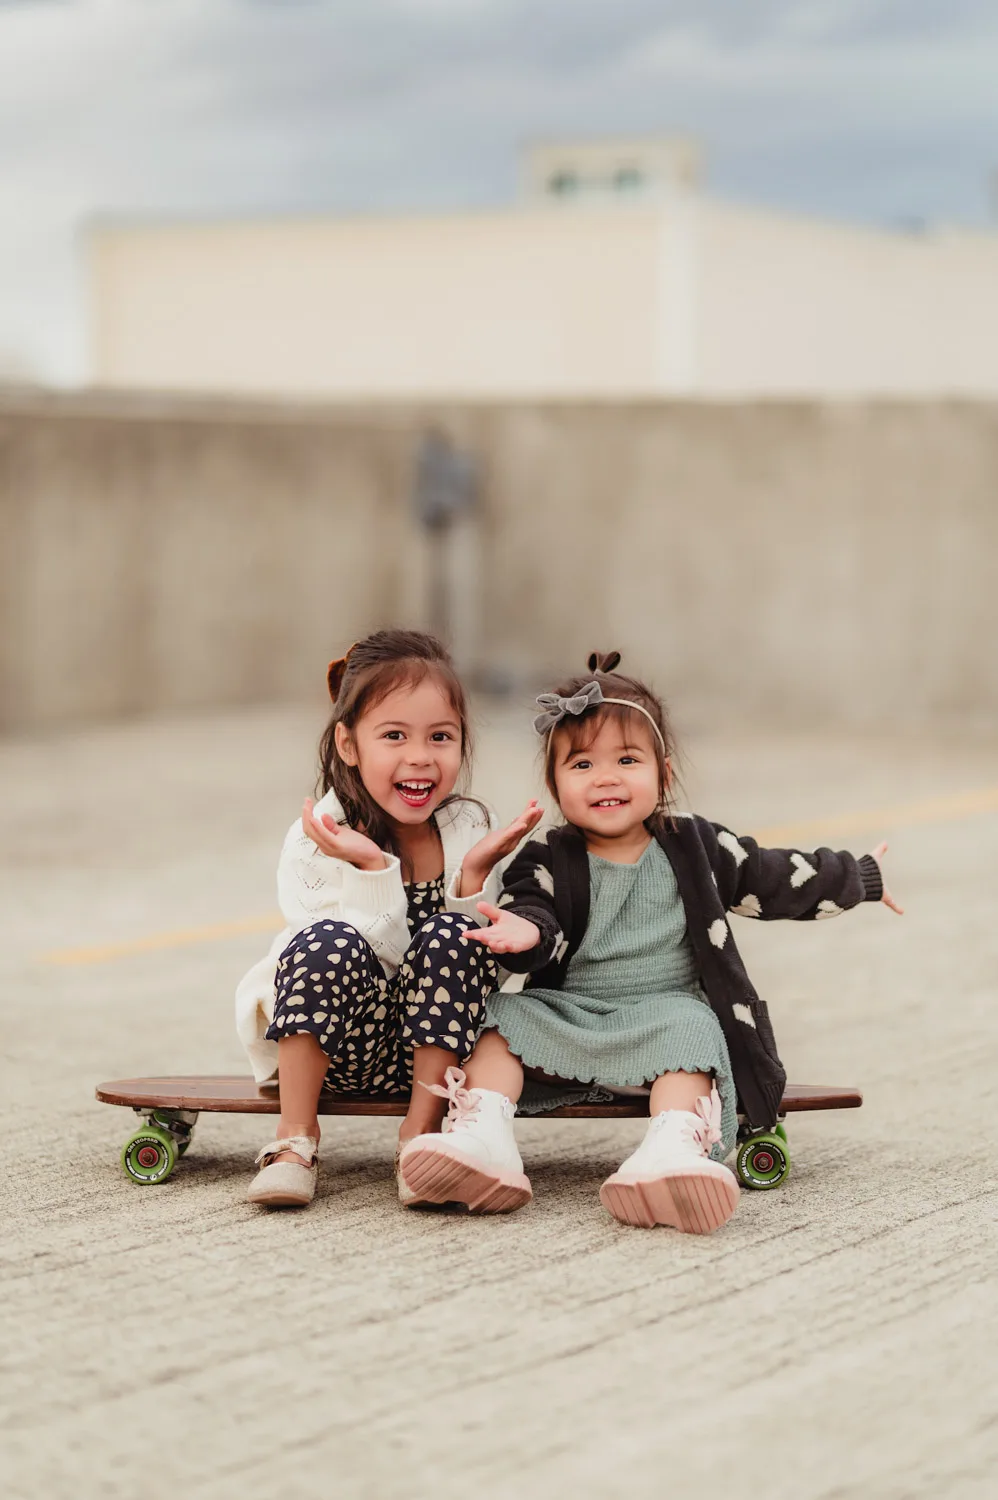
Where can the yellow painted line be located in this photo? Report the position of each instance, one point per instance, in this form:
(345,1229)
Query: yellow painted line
(157,941)
(878,821)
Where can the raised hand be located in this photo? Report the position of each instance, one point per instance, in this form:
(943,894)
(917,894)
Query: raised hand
(886,898)
(508,933)
(483,856)
(340,841)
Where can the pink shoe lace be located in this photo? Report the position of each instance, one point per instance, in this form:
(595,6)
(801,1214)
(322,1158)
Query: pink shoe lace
(709,1110)
(460,1105)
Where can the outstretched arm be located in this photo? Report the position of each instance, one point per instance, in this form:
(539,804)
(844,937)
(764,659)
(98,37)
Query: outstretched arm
(791,884)
(886,897)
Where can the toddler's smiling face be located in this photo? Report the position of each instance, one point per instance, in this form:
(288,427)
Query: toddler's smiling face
(611,783)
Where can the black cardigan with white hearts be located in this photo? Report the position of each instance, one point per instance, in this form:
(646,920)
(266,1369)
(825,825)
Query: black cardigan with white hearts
(717,872)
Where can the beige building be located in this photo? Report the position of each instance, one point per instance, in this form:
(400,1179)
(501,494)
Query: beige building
(614,277)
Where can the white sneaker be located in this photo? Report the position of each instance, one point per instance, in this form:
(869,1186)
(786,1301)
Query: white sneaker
(670,1178)
(474,1160)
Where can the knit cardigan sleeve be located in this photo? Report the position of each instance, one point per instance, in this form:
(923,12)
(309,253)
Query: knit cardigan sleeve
(787,883)
(312,886)
(471,824)
(528,891)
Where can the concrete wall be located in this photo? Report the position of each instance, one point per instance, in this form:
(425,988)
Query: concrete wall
(834,562)
(804,561)
(170,557)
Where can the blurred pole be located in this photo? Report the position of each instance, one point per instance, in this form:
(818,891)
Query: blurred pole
(439,612)
(445,492)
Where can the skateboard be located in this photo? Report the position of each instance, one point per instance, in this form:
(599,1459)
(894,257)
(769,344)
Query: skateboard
(169,1108)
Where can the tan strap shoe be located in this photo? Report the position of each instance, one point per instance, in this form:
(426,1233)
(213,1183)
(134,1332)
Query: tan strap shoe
(286,1184)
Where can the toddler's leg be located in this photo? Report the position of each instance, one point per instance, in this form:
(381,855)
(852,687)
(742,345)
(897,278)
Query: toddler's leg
(493,1066)
(679,1091)
(670,1179)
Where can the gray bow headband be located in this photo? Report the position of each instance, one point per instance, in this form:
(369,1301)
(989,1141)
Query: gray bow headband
(555,708)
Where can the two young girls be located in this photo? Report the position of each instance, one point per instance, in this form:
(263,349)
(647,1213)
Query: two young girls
(617,922)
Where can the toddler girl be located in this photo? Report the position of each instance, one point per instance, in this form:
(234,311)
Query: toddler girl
(369,989)
(620,920)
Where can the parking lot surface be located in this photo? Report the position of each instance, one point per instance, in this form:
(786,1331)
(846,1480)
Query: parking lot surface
(836,1339)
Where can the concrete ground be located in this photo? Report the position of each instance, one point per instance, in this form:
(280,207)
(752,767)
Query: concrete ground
(836,1339)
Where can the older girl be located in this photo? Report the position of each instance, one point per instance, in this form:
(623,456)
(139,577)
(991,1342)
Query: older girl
(369,989)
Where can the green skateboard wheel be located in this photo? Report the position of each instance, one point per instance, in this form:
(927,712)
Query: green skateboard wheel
(763,1160)
(150,1156)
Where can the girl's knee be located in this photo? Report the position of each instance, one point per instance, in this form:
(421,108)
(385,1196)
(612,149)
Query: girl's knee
(440,941)
(319,940)
(443,927)
(450,1033)
(326,977)
(491,1044)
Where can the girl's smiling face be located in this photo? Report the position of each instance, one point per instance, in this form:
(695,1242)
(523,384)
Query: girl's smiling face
(611,785)
(407,748)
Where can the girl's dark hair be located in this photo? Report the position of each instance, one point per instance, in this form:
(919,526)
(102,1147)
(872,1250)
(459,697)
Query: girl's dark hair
(576,732)
(371,669)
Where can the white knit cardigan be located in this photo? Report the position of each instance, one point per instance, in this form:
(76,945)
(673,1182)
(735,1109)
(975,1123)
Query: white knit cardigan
(312,886)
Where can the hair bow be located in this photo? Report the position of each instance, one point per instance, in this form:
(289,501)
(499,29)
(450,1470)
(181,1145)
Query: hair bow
(555,707)
(335,673)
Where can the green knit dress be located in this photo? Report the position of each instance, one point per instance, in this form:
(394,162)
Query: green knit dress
(632,1007)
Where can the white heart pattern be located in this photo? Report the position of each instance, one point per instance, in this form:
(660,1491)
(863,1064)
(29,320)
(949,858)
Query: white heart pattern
(803,872)
(827,909)
(728,841)
(744,1014)
(718,932)
(748,906)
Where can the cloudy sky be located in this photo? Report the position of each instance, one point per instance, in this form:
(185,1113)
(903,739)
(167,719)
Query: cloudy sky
(879,110)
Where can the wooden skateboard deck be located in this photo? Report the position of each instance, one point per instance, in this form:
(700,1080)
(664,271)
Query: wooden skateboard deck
(170,1107)
(243,1096)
